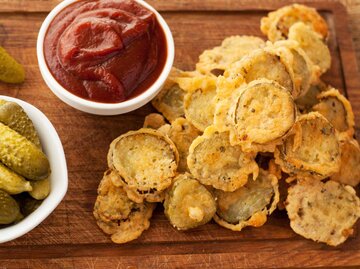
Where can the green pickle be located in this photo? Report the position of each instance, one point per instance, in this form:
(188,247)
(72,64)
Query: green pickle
(9,208)
(21,155)
(19,217)
(11,182)
(10,70)
(189,204)
(14,116)
(27,203)
(40,189)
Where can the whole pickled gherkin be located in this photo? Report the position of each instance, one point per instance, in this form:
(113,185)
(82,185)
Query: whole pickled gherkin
(21,155)
(27,203)
(14,116)
(9,208)
(11,182)
(40,189)
(10,70)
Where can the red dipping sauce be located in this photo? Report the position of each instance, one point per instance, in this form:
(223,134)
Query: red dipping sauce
(106,51)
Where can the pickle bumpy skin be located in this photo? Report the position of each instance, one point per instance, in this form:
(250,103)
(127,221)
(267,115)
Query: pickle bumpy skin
(11,182)
(22,156)
(9,208)
(10,70)
(14,116)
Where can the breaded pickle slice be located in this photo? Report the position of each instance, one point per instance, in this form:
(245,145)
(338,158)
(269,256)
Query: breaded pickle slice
(131,228)
(146,159)
(117,215)
(312,148)
(21,155)
(306,102)
(9,208)
(154,121)
(170,100)
(182,133)
(264,112)
(216,60)
(301,65)
(336,109)
(40,189)
(249,205)
(199,101)
(138,196)
(349,173)
(188,204)
(226,96)
(10,70)
(11,182)
(111,203)
(277,24)
(312,44)
(214,161)
(14,116)
(323,212)
(262,63)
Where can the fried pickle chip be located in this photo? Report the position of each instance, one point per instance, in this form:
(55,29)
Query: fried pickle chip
(226,96)
(146,159)
(277,24)
(123,231)
(311,149)
(117,215)
(188,204)
(154,121)
(130,229)
(165,129)
(112,203)
(214,161)
(323,212)
(215,61)
(336,109)
(300,63)
(171,98)
(138,196)
(262,63)
(350,163)
(306,102)
(199,103)
(249,205)
(182,133)
(264,113)
(312,44)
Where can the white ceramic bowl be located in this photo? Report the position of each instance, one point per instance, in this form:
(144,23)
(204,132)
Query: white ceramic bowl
(95,107)
(53,149)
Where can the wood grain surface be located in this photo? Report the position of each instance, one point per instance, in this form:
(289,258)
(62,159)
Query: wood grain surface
(69,238)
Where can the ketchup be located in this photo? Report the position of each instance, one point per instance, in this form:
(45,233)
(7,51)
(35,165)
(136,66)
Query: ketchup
(106,51)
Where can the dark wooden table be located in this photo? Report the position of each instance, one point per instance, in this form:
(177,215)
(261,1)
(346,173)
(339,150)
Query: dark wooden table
(69,238)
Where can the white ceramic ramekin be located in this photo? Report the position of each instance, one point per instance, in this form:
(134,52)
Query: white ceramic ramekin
(95,107)
(53,149)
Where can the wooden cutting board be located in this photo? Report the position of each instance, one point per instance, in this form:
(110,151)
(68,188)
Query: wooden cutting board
(69,238)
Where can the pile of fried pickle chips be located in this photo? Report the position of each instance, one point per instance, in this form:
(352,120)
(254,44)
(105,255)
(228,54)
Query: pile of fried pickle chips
(252,129)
